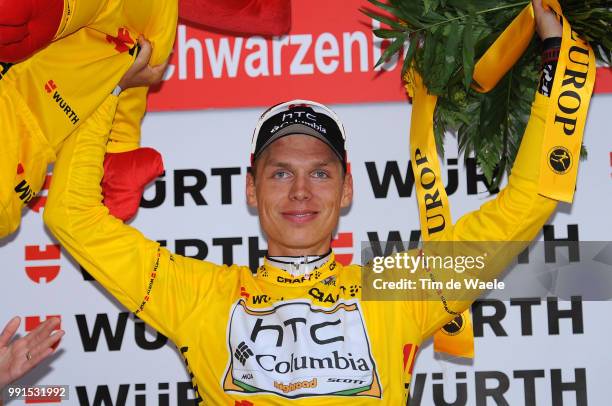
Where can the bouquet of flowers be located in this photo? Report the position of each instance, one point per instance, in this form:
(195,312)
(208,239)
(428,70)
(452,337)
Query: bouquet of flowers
(443,40)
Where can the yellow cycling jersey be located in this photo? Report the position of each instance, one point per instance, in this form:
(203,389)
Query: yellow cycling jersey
(65,82)
(271,338)
(156,20)
(24,157)
(46,97)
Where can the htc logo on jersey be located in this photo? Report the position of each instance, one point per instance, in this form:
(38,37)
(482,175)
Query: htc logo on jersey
(283,348)
(51,87)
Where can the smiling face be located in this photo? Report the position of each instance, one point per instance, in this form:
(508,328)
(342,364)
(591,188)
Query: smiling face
(298,189)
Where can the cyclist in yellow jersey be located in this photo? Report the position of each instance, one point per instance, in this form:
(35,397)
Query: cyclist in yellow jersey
(297,331)
(46,97)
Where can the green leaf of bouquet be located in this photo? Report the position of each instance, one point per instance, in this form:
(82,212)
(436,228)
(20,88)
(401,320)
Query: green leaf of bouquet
(468,53)
(410,54)
(383,19)
(390,51)
(385,33)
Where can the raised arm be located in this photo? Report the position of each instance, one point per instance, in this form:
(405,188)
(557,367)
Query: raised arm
(518,212)
(158,286)
(515,216)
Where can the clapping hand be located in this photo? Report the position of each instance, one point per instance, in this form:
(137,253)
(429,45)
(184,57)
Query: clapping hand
(21,355)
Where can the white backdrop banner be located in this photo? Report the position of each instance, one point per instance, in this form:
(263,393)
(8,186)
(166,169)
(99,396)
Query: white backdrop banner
(534,356)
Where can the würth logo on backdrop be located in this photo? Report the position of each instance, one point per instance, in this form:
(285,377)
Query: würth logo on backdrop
(339,244)
(44,259)
(51,88)
(566,386)
(142,394)
(31,322)
(123,41)
(112,333)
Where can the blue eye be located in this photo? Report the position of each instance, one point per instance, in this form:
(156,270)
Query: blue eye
(280,175)
(320,174)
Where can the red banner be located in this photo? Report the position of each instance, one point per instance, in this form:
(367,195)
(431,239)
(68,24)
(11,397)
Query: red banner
(603,80)
(328,56)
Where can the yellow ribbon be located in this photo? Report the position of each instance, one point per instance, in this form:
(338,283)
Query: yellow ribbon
(570,97)
(563,136)
(434,209)
(505,51)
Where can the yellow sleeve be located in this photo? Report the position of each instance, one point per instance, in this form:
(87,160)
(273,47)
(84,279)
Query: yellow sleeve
(515,216)
(125,132)
(158,25)
(161,288)
(157,21)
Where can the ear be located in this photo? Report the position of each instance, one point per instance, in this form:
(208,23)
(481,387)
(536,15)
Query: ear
(251,190)
(347,190)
